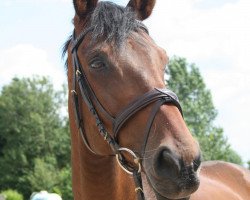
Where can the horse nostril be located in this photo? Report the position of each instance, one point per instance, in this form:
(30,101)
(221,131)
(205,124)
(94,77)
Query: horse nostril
(166,163)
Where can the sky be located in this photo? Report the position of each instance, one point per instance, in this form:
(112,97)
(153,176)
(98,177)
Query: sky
(213,34)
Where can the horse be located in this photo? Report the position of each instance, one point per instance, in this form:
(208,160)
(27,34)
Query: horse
(128,137)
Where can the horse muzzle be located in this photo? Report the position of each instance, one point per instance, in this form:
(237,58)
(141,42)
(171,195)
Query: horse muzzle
(169,177)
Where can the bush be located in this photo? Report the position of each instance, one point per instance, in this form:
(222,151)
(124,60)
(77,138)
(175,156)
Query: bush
(12,195)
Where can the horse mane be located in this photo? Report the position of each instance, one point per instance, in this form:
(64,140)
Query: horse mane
(65,49)
(111,23)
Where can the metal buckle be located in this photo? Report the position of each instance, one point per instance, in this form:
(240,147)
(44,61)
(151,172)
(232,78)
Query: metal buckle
(136,160)
(78,72)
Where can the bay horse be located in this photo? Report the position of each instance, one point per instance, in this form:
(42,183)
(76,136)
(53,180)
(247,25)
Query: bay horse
(129,140)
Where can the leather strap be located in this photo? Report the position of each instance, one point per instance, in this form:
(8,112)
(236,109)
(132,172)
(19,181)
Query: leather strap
(142,102)
(138,185)
(149,125)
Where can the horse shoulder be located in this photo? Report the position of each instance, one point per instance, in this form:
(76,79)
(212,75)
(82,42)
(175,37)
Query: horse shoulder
(223,181)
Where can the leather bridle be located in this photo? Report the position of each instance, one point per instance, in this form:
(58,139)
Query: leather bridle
(157,97)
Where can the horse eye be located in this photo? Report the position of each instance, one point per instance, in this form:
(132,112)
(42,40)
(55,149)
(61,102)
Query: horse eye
(97,64)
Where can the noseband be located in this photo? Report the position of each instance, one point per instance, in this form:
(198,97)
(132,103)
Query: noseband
(157,97)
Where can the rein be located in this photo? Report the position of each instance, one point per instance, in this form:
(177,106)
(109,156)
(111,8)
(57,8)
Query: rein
(158,97)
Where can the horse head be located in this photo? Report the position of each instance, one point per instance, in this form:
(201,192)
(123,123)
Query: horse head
(117,72)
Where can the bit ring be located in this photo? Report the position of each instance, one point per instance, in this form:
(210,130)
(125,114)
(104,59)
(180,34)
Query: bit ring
(136,160)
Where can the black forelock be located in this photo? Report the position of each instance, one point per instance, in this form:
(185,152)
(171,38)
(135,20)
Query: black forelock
(111,22)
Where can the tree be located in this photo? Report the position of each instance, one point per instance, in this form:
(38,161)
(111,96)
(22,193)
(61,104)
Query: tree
(34,138)
(45,172)
(199,112)
(11,195)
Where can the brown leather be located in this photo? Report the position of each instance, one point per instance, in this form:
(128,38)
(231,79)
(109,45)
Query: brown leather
(148,98)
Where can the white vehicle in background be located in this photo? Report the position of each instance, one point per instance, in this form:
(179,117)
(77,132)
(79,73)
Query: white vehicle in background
(44,195)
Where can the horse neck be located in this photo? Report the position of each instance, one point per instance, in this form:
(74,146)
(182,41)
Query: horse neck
(98,177)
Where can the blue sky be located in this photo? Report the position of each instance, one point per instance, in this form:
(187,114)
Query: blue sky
(45,24)
(214,34)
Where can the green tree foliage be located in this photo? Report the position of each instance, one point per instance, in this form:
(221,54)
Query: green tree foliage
(34,138)
(45,172)
(199,112)
(12,195)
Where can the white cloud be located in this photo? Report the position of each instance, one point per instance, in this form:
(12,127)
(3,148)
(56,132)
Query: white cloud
(218,41)
(25,60)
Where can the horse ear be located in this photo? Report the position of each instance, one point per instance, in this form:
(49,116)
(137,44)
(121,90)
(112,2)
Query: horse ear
(143,8)
(83,7)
